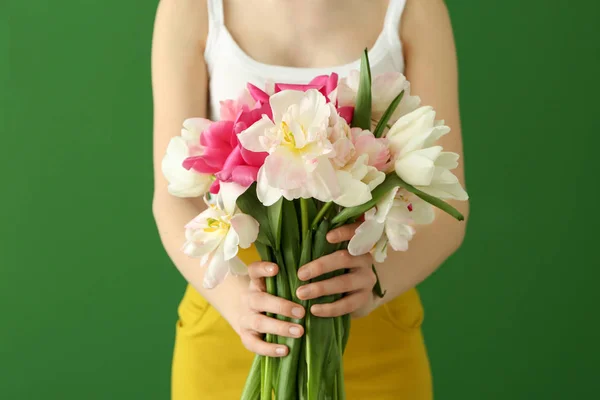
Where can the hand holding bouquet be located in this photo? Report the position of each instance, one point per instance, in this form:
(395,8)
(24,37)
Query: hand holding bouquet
(288,163)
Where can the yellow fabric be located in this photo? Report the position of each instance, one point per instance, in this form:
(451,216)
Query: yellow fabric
(385,358)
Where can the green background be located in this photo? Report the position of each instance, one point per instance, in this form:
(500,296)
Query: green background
(89,297)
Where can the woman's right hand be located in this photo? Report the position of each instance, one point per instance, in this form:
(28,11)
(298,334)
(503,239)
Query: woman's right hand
(253,323)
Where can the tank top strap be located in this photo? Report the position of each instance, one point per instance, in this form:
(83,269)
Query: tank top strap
(216,22)
(394,14)
(215,13)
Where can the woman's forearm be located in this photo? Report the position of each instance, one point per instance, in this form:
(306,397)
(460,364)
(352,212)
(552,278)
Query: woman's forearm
(430,247)
(171,214)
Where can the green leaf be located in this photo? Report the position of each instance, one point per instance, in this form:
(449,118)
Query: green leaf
(290,237)
(320,241)
(252,387)
(391,181)
(274,214)
(377,288)
(362,109)
(249,204)
(289,374)
(383,122)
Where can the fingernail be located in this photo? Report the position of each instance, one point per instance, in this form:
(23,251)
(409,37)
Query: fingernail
(295,331)
(330,237)
(270,269)
(315,309)
(298,312)
(280,351)
(303,274)
(303,291)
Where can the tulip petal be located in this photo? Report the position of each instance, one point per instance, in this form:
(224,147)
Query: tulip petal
(246,229)
(250,138)
(193,127)
(228,195)
(230,245)
(447,160)
(258,94)
(380,250)
(216,270)
(417,167)
(422,212)
(399,235)
(266,194)
(450,192)
(244,175)
(354,192)
(385,205)
(281,102)
(365,237)
(322,183)
(284,169)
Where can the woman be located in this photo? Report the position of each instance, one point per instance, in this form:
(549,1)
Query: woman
(204,51)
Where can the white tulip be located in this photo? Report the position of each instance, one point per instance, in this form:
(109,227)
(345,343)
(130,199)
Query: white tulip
(390,222)
(183,182)
(418,161)
(299,150)
(217,233)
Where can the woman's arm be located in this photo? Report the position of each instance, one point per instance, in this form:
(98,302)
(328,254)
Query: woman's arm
(179,82)
(431,68)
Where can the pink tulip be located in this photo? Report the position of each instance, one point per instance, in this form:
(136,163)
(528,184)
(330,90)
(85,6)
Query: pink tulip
(223,156)
(325,84)
(377,149)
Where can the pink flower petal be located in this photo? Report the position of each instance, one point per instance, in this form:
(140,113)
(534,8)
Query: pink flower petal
(347,113)
(253,158)
(257,94)
(214,188)
(244,175)
(199,164)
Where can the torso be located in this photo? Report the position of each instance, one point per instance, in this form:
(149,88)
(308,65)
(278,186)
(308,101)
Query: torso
(241,46)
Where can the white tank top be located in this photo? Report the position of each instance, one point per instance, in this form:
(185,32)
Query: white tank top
(230,68)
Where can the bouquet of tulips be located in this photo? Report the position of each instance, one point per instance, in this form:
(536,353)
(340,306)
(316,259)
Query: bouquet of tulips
(286,164)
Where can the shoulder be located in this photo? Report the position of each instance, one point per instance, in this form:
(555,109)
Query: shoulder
(425,21)
(181,25)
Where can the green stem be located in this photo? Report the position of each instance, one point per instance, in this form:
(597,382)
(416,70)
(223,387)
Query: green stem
(320,215)
(339,378)
(304,213)
(267,371)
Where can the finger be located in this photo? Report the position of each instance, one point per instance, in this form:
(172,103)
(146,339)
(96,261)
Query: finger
(342,233)
(264,302)
(355,280)
(263,324)
(256,345)
(345,305)
(262,269)
(339,260)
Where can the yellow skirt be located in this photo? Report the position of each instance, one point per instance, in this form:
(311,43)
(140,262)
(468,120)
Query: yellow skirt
(385,359)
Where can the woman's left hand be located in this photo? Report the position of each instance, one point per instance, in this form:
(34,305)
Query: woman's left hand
(357,283)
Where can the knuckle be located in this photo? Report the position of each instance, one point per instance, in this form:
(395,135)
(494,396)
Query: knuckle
(256,323)
(345,257)
(243,321)
(280,307)
(246,340)
(347,282)
(254,300)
